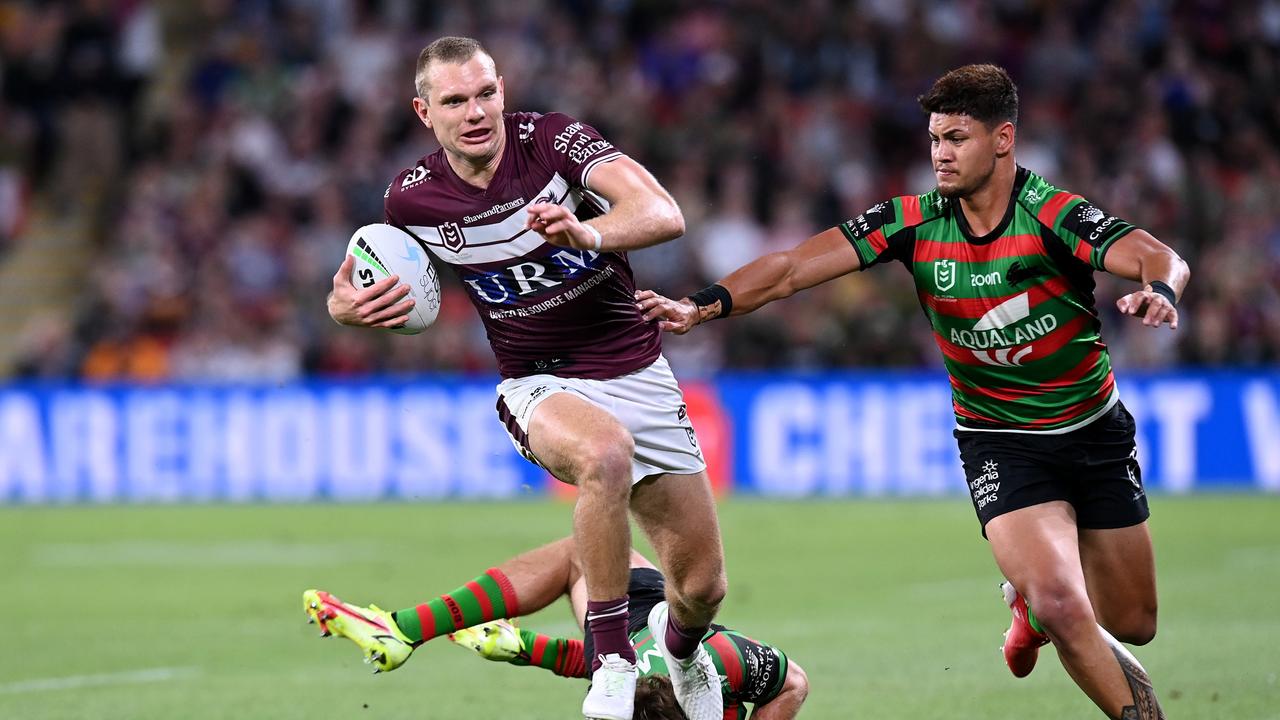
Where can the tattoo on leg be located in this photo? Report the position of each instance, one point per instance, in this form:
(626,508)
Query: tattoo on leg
(1145,706)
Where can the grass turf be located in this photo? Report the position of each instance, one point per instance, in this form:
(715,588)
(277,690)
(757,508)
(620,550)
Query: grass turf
(194,612)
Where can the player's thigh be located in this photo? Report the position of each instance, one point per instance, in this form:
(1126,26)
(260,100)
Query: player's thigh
(1120,572)
(1037,549)
(1006,472)
(572,437)
(678,515)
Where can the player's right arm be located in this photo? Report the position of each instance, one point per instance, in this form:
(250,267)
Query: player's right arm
(823,257)
(381,305)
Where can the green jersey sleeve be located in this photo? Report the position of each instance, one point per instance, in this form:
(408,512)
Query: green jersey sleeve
(1087,231)
(882,233)
(753,672)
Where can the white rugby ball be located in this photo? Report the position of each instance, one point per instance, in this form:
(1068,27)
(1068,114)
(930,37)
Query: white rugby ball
(381,251)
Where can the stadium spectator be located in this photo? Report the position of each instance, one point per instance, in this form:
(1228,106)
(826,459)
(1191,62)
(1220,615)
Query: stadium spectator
(224,124)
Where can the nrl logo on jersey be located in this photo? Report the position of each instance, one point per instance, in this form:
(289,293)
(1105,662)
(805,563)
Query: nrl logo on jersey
(452,237)
(419,174)
(944,274)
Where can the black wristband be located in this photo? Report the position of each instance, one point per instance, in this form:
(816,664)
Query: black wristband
(1161,287)
(711,294)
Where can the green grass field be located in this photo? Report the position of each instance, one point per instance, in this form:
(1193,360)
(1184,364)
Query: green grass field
(141,613)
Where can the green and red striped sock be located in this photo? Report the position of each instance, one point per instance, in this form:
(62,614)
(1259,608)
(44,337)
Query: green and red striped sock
(1032,621)
(562,656)
(488,597)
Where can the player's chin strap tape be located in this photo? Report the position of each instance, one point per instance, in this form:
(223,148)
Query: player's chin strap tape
(709,295)
(1161,287)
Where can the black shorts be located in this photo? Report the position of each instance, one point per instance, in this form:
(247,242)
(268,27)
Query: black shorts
(1095,468)
(646,588)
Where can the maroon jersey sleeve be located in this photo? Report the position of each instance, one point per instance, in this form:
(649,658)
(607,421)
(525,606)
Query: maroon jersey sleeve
(571,147)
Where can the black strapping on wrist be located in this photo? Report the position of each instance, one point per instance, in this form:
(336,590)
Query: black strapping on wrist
(708,295)
(1161,287)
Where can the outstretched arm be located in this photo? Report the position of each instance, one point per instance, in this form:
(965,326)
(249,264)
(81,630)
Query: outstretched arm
(1140,257)
(787,703)
(822,257)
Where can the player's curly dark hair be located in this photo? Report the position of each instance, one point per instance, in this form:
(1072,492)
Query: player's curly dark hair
(449,49)
(655,700)
(983,92)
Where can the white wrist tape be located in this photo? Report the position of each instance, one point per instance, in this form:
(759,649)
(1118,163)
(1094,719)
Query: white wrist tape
(595,234)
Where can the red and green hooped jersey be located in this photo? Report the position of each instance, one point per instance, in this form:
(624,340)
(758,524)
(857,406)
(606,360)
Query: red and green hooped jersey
(750,672)
(1012,311)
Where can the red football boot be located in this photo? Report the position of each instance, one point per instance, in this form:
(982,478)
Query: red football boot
(1022,642)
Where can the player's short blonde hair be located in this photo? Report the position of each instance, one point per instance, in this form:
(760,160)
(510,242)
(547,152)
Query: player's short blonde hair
(450,49)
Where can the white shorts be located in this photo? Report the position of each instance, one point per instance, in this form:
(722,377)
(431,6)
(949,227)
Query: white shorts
(647,402)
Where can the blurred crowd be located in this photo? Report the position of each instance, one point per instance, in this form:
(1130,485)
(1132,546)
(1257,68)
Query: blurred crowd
(237,143)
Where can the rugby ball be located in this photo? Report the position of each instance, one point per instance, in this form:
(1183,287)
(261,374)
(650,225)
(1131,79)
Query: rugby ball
(381,251)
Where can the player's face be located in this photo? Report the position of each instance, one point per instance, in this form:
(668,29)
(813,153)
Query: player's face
(464,108)
(964,153)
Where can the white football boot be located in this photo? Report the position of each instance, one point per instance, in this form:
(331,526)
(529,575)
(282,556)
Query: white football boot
(613,690)
(694,679)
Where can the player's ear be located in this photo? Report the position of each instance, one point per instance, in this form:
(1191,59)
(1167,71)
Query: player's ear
(420,109)
(1005,136)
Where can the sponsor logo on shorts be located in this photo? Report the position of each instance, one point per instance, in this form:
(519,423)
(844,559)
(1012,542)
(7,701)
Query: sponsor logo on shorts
(683,413)
(985,488)
(1131,468)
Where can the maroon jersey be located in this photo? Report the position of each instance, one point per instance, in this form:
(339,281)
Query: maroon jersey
(546,309)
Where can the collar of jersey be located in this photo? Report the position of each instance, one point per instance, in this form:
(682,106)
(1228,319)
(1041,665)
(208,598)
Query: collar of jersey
(1019,180)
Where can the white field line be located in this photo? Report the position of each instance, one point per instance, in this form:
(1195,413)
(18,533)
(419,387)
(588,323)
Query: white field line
(81,681)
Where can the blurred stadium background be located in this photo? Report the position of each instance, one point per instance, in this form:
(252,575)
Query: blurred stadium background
(179,418)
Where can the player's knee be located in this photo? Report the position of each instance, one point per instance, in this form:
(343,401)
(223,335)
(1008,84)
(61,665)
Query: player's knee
(1139,627)
(604,463)
(1061,609)
(705,590)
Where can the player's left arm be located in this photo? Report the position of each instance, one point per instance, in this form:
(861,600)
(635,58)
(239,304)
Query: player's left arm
(786,704)
(641,212)
(1140,257)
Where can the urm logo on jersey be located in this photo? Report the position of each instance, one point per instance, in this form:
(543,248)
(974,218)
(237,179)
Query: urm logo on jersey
(532,278)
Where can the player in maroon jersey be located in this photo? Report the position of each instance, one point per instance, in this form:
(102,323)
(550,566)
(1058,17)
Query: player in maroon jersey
(586,393)
(1003,263)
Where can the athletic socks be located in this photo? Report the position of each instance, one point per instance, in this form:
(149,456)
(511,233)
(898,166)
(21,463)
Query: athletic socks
(1032,621)
(682,642)
(608,621)
(489,597)
(562,656)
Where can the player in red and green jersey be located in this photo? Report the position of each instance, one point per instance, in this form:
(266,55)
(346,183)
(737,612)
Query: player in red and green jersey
(475,616)
(1003,263)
